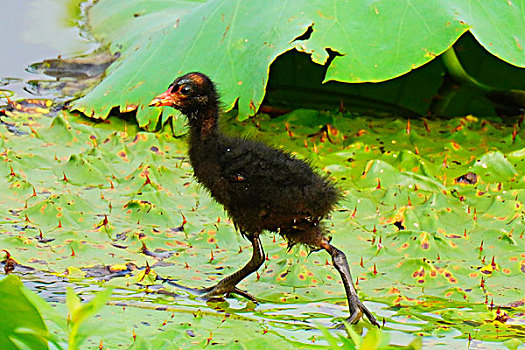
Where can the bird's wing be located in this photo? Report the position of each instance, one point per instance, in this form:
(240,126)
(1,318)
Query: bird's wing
(254,162)
(267,177)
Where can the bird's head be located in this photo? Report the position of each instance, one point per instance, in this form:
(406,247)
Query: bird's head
(193,94)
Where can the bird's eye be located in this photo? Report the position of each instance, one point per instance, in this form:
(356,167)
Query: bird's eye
(185,90)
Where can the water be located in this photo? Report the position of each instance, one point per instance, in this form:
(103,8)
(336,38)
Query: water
(34,30)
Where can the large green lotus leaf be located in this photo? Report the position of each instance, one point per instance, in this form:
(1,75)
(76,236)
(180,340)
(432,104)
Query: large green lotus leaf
(364,34)
(507,41)
(434,22)
(235,42)
(229,27)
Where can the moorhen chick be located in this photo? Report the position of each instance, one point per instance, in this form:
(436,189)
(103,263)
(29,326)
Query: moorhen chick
(261,188)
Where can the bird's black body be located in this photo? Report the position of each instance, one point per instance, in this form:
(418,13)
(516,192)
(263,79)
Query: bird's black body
(261,188)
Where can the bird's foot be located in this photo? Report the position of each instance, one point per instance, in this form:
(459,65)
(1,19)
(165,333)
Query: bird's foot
(213,292)
(357,310)
(218,290)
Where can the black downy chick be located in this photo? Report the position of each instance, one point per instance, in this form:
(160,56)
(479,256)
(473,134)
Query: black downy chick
(260,187)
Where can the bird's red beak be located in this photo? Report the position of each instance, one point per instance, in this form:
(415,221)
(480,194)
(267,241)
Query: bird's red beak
(167,98)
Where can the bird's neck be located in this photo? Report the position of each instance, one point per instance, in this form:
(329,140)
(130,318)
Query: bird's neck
(204,125)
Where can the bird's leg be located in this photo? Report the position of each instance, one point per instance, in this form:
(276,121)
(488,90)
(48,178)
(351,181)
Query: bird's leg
(356,307)
(229,283)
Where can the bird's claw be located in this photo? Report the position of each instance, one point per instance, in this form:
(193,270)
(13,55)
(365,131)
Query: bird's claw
(215,292)
(357,309)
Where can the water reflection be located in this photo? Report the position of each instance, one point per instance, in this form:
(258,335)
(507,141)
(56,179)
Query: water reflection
(33,30)
(297,322)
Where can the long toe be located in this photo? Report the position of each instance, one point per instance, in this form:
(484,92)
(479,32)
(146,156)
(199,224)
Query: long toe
(245,294)
(215,292)
(198,291)
(355,316)
(369,315)
(212,292)
(357,309)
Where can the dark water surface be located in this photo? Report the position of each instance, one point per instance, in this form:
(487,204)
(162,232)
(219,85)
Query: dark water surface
(34,30)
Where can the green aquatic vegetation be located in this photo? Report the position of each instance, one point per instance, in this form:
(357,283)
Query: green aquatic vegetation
(436,253)
(236,42)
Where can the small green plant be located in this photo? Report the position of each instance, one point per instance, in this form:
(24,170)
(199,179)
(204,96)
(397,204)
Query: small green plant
(374,339)
(79,313)
(24,312)
(22,326)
